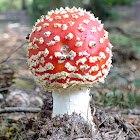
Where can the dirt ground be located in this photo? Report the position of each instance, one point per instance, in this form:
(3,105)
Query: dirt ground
(112,122)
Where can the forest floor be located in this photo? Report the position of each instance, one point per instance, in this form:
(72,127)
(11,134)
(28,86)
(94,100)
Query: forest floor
(118,99)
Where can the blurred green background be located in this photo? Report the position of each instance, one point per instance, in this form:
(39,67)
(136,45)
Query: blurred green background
(101,8)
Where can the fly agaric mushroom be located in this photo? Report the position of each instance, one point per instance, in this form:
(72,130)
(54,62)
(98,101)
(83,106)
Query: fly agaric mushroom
(68,52)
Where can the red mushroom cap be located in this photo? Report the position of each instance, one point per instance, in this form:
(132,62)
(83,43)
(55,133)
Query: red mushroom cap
(67,48)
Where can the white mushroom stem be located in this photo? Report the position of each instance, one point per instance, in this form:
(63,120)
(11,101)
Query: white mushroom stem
(69,101)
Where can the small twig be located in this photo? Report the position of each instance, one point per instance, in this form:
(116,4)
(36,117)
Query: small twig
(118,134)
(94,111)
(80,137)
(103,121)
(134,127)
(8,88)
(83,139)
(19,109)
(111,132)
(10,54)
(19,58)
(97,124)
(23,126)
(72,131)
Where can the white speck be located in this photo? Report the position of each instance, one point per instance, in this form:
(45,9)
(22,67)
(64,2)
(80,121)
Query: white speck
(67,8)
(60,55)
(82,60)
(99,28)
(110,45)
(81,28)
(35,46)
(47,34)
(42,19)
(57,38)
(101,25)
(65,16)
(101,80)
(46,52)
(51,57)
(42,60)
(69,36)
(78,38)
(47,17)
(74,9)
(93,29)
(61,61)
(63,12)
(58,17)
(105,71)
(57,54)
(107,50)
(49,66)
(74,16)
(64,48)
(50,19)
(51,43)
(40,69)
(40,53)
(71,23)
(78,44)
(46,24)
(70,67)
(81,13)
(71,55)
(84,67)
(94,68)
(92,17)
(38,21)
(106,35)
(35,39)
(50,12)
(33,29)
(102,56)
(108,62)
(41,40)
(102,40)
(103,66)
(92,44)
(56,11)
(93,59)
(84,53)
(98,20)
(86,21)
(57,25)
(38,28)
(64,27)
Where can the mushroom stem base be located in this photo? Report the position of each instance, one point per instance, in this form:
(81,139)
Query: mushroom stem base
(76,100)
